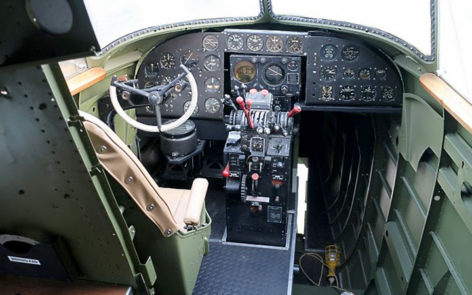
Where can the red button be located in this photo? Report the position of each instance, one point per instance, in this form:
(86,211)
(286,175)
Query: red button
(264,92)
(253,91)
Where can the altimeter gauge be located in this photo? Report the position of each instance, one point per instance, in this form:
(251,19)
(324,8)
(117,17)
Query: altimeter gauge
(167,61)
(235,42)
(254,43)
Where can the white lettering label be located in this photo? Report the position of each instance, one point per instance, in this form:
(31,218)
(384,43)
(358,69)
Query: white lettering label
(24,260)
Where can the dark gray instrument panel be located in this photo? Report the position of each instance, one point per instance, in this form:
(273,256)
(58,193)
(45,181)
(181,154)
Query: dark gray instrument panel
(331,70)
(346,72)
(203,55)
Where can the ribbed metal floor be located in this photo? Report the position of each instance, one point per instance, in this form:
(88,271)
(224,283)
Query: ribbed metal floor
(229,269)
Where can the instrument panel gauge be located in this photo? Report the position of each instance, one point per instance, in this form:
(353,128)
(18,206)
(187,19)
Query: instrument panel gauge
(329,51)
(212,84)
(149,84)
(388,93)
(294,44)
(292,65)
(381,74)
(274,74)
(328,73)
(254,43)
(365,74)
(244,71)
(189,58)
(212,63)
(187,105)
(212,105)
(151,70)
(167,61)
(350,52)
(210,43)
(367,93)
(235,42)
(349,74)
(347,92)
(274,44)
(327,93)
(164,80)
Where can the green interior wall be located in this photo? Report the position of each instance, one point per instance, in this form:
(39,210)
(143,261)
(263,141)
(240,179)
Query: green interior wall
(417,219)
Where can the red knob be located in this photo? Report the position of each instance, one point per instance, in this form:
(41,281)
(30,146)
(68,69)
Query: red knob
(296,109)
(264,92)
(253,91)
(249,104)
(225,172)
(255,176)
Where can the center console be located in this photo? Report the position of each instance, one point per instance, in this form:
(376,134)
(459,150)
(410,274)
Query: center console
(258,157)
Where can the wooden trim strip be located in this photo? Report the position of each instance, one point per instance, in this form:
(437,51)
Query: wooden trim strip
(85,80)
(452,101)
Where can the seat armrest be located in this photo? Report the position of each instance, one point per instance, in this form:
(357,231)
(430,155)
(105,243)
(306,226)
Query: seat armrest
(197,199)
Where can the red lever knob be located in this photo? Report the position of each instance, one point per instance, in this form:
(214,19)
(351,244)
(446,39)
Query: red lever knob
(255,176)
(249,104)
(264,92)
(225,172)
(253,91)
(296,109)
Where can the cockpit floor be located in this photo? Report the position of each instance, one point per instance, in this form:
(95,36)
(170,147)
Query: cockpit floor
(233,269)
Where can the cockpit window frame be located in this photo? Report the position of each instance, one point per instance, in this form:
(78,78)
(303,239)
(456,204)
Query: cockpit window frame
(266,11)
(366,29)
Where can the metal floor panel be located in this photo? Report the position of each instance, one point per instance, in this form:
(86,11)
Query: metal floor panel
(233,269)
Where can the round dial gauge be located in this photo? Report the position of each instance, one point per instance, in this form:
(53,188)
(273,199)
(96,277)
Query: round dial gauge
(328,73)
(367,93)
(350,52)
(210,43)
(349,73)
(365,74)
(212,105)
(294,44)
(235,42)
(274,74)
(149,84)
(254,43)
(292,65)
(167,61)
(388,93)
(164,80)
(244,71)
(274,43)
(329,51)
(381,74)
(189,58)
(348,92)
(212,63)
(212,84)
(187,105)
(151,70)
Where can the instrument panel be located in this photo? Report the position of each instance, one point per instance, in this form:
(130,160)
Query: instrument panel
(315,68)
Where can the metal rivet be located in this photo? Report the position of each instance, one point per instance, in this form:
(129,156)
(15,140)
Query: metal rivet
(151,207)
(168,232)
(437,198)
(4,92)
(129,179)
(102,149)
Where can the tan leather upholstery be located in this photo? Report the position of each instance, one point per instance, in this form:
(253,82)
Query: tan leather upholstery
(170,209)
